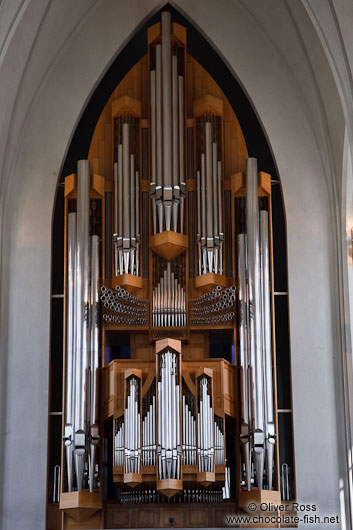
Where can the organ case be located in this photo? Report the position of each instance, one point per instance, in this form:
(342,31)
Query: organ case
(180,421)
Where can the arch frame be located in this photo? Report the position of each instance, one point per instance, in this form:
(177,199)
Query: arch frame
(37,157)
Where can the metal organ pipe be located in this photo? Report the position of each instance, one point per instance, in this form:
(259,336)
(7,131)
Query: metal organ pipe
(209,207)
(203,214)
(257,408)
(219,441)
(270,435)
(209,197)
(153,145)
(149,434)
(167,99)
(220,216)
(94,361)
(132,428)
(119,442)
(159,183)
(169,442)
(126,172)
(137,214)
(116,216)
(255,321)
(168,301)
(181,151)
(244,359)
(189,430)
(118,206)
(81,434)
(82,317)
(175,98)
(198,237)
(70,347)
(126,235)
(205,428)
(167,137)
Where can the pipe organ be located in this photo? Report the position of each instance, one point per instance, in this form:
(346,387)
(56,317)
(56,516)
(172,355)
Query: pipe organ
(170,366)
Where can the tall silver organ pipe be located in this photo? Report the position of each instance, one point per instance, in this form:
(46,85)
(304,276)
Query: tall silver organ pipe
(153,146)
(149,434)
(205,425)
(244,359)
(81,434)
(210,236)
(94,360)
(126,236)
(132,428)
(168,301)
(82,318)
(70,347)
(169,439)
(255,320)
(255,346)
(167,136)
(270,435)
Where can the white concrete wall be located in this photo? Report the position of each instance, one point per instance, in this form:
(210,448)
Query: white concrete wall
(52,63)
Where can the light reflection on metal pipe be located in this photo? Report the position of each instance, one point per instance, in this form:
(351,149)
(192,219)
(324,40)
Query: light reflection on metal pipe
(82,317)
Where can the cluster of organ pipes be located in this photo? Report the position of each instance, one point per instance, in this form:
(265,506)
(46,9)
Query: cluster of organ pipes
(219,441)
(205,423)
(168,301)
(188,495)
(169,439)
(215,307)
(257,409)
(132,427)
(203,439)
(119,442)
(81,434)
(149,433)
(210,236)
(130,309)
(126,229)
(189,429)
(167,136)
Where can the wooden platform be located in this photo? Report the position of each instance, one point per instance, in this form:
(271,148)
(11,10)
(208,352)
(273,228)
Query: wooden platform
(168,515)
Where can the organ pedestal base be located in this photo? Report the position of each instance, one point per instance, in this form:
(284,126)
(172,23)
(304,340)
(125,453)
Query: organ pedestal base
(258,496)
(132,479)
(129,282)
(169,486)
(80,505)
(206,478)
(206,282)
(168,244)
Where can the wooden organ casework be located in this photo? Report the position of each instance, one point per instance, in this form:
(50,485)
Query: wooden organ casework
(169,396)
